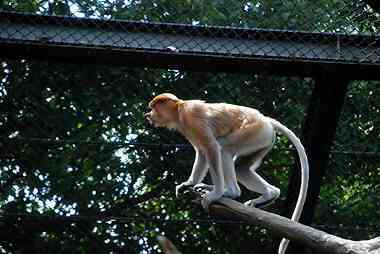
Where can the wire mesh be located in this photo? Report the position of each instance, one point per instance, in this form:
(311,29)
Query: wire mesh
(82,172)
(353,180)
(340,31)
(74,142)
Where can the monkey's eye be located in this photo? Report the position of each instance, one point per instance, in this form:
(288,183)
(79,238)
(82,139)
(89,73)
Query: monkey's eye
(159,104)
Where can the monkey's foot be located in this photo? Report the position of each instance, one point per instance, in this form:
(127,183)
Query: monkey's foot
(210,197)
(180,188)
(201,187)
(264,201)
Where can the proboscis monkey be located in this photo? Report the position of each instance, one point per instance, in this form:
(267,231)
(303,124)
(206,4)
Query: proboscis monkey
(230,143)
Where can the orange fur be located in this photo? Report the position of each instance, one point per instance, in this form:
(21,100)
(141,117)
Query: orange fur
(197,118)
(219,132)
(161,98)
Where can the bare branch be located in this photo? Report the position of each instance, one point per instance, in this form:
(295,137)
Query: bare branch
(167,246)
(315,239)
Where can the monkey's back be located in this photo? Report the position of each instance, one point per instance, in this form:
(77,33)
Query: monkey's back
(223,118)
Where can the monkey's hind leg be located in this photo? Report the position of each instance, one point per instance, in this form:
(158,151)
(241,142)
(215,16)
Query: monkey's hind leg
(246,175)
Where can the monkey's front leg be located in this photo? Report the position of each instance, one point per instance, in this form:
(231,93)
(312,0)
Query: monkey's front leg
(198,172)
(213,155)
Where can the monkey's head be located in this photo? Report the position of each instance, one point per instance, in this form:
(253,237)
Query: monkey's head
(164,110)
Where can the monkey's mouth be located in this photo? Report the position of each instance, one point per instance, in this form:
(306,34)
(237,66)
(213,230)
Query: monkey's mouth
(157,122)
(152,121)
(148,117)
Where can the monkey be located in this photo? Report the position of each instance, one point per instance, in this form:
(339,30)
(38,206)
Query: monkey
(230,142)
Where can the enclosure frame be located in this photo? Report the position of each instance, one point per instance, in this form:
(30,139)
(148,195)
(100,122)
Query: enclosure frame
(296,55)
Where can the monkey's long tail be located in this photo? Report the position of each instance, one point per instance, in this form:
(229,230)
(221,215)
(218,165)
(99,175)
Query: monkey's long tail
(304,176)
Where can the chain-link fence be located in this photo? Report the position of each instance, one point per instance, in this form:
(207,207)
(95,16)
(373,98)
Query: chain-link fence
(336,32)
(349,17)
(352,182)
(82,172)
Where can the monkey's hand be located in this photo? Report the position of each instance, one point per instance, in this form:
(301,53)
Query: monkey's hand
(181,187)
(209,198)
(203,188)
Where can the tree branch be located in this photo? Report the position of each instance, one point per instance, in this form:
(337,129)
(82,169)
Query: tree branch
(167,246)
(315,239)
